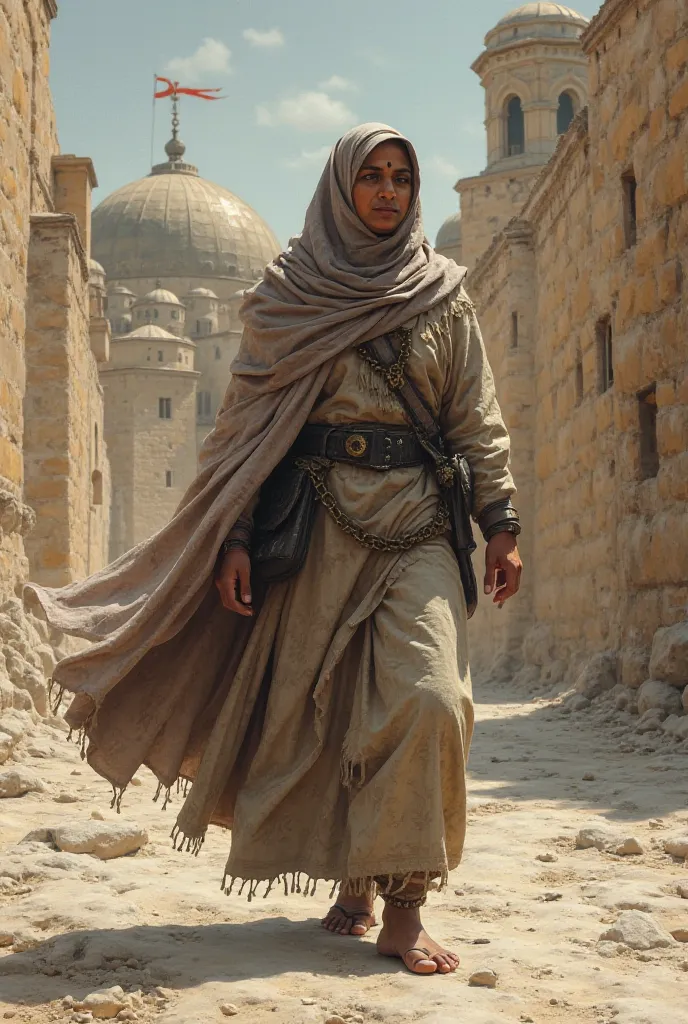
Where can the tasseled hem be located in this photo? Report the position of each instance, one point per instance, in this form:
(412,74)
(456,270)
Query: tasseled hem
(436,329)
(301,883)
(186,844)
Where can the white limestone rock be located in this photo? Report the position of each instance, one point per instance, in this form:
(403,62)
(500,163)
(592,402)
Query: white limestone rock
(102,839)
(596,837)
(676,726)
(629,847)
(637,930)
(669,658)
(677,846)
(20,780)
(660,695)
(6,746)
(106,1003)
(483,979)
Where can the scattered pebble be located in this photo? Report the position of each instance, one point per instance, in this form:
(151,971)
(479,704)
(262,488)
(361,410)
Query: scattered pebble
(680,934)
(637,930)
(682,890)
(97,816)
(481,942)
(229,1009)
(66,798)
(547,858)
(551,897)
(483,979)
(335,1019)
(8,1014)
(136,781)
(308,1001)
(588,777)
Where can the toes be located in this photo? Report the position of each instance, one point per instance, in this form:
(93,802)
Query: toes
(422,965)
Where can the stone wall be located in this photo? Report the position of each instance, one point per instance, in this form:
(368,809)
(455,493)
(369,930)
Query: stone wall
(488,203)
(27,142)
(66,471)
(608,222)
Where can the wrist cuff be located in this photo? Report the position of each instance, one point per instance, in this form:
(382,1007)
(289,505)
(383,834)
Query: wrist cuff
(497,517)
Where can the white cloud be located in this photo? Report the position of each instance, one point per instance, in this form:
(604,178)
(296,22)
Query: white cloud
(337,84)
(268,40)
(309,158)
(440,165)
(307,111)
(211,58)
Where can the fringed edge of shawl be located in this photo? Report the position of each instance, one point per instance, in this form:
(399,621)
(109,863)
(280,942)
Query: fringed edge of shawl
(303,884)
(435,329)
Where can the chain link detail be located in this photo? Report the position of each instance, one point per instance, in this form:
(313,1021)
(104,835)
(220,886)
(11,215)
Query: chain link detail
(317,470)
(394,375)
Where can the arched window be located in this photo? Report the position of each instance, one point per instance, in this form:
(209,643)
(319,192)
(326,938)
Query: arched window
(515,127)
(96,454)
(565,113)
(96,487)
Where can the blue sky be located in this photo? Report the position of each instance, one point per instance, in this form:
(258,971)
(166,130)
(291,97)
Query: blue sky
(297,74)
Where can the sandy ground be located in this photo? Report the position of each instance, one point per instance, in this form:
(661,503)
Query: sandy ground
(156,923)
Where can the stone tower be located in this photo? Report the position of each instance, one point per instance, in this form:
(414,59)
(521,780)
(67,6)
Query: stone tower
(534,73)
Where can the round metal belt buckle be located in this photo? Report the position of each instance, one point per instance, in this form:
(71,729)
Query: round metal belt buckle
(356,445)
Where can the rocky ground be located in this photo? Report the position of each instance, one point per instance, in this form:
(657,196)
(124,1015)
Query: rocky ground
(573,892)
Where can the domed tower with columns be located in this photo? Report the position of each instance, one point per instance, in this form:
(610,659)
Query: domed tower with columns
(177,249)
(534,73)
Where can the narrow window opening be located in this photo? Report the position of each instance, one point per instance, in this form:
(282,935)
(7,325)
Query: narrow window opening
(514,330)
(218,353)
(165,408)
(96,487)
(565,113)
(605,352)
(155,314)
(630,208)
(161,356)
(647,420)
(148,356)
(579,378)
(168,478)
(515,127)
(198,327)
(96,456)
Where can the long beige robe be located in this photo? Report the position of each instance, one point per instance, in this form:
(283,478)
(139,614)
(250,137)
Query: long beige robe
(355,675)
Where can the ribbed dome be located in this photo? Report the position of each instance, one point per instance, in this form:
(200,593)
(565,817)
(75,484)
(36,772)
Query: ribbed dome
(541,10)
(450,232)
(120,289)
(150,332)
(176,224)
(203,293)
(159,295)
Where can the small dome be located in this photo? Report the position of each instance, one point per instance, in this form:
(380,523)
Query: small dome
(150,332)
(541,10)
(158,295)
(450,232)
(95,268)
(542,20)
(204,293)
(120,289)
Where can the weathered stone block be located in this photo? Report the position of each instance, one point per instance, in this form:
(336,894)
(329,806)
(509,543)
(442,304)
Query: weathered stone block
(654,694)
(669,659)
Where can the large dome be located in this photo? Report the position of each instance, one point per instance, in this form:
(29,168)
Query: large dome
(449,233)
(174,223)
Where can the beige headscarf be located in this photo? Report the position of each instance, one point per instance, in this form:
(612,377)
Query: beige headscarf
(161,641)
(339,284)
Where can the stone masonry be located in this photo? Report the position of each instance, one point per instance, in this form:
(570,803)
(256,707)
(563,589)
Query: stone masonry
(53,464)
(583,306)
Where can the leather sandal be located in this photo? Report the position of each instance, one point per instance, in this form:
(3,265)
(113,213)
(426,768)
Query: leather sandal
(356,917)
(427,955)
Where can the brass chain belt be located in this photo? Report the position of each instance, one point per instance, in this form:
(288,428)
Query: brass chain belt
(317,470)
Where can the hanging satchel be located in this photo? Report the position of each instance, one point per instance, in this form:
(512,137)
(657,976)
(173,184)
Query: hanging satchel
(389,355)
(283,522)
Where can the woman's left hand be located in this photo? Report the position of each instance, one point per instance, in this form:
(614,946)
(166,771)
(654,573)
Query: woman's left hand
(503,567)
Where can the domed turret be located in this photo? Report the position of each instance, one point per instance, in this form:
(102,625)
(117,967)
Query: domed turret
(448,241)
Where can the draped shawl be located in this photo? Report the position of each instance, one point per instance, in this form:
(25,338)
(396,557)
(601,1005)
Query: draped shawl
(142,684)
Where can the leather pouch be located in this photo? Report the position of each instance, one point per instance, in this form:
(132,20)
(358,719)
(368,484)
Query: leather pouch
(283,523)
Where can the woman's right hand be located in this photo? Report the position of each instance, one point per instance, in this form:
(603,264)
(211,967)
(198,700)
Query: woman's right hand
(234,579)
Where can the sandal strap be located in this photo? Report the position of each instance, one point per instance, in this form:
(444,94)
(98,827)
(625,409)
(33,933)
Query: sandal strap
(351,914)
(418,949)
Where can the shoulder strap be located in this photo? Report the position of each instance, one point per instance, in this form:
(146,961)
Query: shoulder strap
(389,356)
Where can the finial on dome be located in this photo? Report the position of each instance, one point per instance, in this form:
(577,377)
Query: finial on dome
(175,148)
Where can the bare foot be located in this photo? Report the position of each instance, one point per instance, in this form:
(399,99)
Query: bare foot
(350,915)
(404,937)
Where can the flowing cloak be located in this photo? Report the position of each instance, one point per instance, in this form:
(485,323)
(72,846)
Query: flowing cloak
(164,654)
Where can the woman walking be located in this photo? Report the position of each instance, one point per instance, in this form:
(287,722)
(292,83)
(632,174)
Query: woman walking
(324,716)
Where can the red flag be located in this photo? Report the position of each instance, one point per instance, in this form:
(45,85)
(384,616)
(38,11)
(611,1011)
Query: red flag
(175,89)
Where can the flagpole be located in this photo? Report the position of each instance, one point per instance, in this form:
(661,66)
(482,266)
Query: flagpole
(155,83)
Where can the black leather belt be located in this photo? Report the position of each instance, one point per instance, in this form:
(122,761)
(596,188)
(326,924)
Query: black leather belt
(375,445)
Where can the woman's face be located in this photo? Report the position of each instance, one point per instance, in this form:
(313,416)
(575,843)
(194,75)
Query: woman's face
(383,189)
